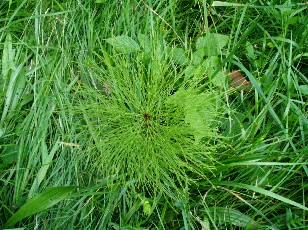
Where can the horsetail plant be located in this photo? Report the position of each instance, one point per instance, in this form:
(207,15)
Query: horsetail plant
(148,120)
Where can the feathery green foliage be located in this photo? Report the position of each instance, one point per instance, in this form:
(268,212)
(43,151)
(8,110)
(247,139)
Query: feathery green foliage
(147,121)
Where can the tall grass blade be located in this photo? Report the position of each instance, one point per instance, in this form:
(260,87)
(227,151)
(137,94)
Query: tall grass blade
(264,192)
(43,201)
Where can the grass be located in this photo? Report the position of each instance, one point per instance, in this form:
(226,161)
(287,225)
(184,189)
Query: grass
(119,115)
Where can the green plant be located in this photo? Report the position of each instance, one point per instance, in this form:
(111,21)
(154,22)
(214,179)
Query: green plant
(147,120)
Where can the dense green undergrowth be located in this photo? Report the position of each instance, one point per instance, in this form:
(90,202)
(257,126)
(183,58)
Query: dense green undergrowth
(124,115)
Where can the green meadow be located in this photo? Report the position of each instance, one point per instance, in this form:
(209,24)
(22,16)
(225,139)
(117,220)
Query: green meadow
(148,114)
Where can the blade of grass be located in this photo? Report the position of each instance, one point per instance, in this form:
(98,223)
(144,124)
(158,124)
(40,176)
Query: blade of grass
(43,201)
(262,191)
(220,3)
(47,160)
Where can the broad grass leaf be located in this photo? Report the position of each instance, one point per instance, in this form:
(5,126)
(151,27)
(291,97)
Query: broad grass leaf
(7,65)
(264,192)
(124,44)
(46,160)
(234,217)
(212,44)
(43,201)
(221,3)
(14,90)
(7,56)
(14,229)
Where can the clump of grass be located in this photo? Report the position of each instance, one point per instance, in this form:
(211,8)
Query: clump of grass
(148,122)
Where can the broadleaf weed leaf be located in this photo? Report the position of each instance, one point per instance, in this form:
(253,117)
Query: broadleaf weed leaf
(212,44)
(124,44)
(178,55)
(145,42)
(198,56)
